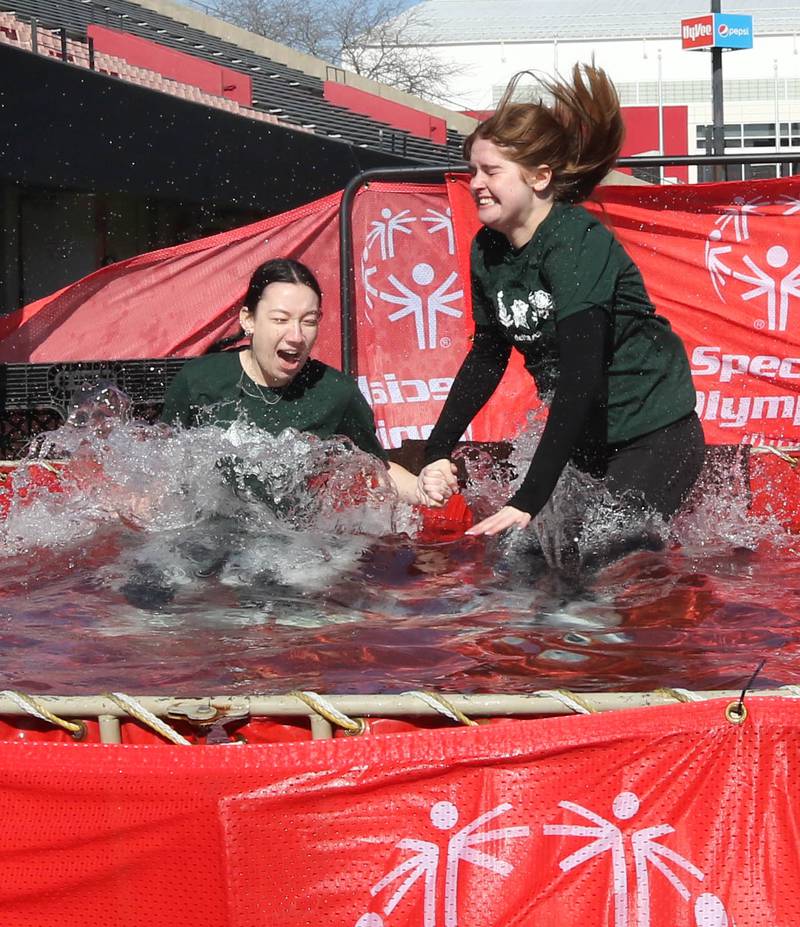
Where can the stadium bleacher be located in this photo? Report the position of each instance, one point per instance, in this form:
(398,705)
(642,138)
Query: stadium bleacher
(280,94)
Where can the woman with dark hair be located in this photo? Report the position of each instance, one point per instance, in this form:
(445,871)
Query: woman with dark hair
(553,282)
(273,382)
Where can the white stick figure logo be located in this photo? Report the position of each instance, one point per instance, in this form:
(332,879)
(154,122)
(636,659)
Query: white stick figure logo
(425,862)
(710,912)
(718,269)
(737,214)
(384,232)
(776,287)
(370,920)
(366,274)
(771,274)
(792,203)
(435,303)
(646,852)
(441,222)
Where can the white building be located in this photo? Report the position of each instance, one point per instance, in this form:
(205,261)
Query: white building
(638,43)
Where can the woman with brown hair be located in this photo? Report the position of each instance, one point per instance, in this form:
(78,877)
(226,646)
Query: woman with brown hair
(552,281)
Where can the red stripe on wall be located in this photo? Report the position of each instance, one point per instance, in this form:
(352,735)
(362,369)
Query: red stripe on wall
(395,114)
(222,82)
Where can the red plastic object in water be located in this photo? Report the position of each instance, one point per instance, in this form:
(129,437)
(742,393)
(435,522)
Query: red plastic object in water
(447,523)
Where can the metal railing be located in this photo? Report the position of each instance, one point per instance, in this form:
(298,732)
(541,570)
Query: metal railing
(325,713)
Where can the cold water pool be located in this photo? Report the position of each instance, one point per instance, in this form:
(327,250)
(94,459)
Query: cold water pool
(209,562)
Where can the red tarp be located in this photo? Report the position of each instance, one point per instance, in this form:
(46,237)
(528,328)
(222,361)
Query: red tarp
(721,261)
(659,817)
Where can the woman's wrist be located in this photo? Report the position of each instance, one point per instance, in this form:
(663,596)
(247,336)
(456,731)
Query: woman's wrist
(435,454)
(525,502)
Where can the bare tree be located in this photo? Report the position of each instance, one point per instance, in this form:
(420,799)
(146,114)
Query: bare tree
(374,38)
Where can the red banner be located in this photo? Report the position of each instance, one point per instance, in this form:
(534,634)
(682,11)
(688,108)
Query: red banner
(177,301)
(656,817)
(414,319)
(721,262)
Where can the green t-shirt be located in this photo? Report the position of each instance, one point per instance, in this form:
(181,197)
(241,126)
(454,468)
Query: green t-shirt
(215,390)
(571,263)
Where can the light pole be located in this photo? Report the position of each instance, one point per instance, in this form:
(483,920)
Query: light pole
(660,92)
(777,107)
(717,106)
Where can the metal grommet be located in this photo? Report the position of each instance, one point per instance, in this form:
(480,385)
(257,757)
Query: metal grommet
(736,712)
(361,727)
(80,734)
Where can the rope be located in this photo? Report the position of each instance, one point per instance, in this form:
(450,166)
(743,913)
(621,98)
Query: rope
(736,712)
(329,712)
(140,713)
(680,695)
(30,706)
(443,706)
(569,699)
(786,457)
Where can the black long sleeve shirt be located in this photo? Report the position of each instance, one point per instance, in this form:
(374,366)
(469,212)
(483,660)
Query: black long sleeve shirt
(576,426)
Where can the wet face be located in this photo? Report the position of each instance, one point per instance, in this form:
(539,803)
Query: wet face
(509,198)
(283,330)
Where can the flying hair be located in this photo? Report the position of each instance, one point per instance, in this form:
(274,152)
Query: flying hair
(578,135)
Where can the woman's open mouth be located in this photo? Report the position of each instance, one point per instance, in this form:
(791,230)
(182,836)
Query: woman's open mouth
(290,358)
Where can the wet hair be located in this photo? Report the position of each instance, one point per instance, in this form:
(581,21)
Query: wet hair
(578,135)
(277,270)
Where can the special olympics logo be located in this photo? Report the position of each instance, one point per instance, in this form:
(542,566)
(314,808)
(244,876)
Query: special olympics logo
(759,270)
(420,291)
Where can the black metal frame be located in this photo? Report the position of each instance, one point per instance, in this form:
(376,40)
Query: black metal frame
(346,263)
(438,173)
(768,157)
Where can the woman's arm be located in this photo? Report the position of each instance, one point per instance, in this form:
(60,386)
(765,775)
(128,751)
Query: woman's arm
(480,373)
(358,424)
(584,340)
(405,484)
(476,380)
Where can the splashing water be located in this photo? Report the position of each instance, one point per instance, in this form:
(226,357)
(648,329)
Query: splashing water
(230,560)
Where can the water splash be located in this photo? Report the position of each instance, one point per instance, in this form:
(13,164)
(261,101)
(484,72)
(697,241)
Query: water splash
(583,526)
(717,516)
(158,482)
(181,562)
